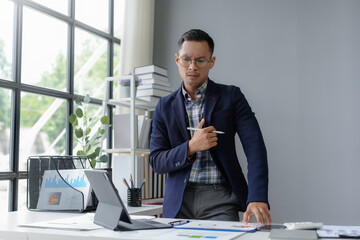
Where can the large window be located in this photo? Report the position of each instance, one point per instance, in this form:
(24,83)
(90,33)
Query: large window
(90,63)
(51,53)
(93,12)
(6,40)
(42,126)
(44,45)
(5,108)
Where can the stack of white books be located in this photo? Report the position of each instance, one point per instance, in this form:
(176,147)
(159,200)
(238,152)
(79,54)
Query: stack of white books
(154,83)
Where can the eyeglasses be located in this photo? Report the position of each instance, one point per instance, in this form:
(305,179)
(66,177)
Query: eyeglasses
(200,62)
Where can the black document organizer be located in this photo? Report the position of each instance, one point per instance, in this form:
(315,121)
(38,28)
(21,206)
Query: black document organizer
(37,165)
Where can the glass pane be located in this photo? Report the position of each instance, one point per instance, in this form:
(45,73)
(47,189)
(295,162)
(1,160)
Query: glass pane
(6,26)
(42,126)
(94,13)
(90,64)
(4,197)
(44,51)
(57,5)
(5,110)
(119,9)
(22,195)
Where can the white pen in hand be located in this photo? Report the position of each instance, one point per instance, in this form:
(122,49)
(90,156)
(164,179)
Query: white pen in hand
(196,129)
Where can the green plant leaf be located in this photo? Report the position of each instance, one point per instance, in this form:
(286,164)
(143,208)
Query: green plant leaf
(79,132)
(104,158)
(101,131)
(75,123)
(88,131)
(93,163)
(88,148)
(72,118)
(79,112)
(97,151)
(105,120)
(87,98)
(80,153)
(92,155)
(78,102)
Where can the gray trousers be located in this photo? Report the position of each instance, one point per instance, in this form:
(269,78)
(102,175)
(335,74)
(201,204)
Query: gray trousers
(209,201)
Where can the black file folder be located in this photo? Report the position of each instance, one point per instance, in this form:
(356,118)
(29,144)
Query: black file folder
(57,183)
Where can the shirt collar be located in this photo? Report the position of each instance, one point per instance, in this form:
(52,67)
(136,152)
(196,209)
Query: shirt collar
(200,92)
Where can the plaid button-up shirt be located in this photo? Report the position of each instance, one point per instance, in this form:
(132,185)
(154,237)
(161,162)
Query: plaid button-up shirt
(203,169)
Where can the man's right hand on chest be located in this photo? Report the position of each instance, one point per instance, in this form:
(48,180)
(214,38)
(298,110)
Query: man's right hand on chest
(202,139)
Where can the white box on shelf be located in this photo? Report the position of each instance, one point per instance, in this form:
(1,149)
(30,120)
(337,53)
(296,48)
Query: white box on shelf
(122,131)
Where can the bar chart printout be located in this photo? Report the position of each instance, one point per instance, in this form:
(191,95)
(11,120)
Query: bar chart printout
(70,191)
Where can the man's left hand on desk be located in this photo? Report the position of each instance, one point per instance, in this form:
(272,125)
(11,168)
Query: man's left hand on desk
(261,212)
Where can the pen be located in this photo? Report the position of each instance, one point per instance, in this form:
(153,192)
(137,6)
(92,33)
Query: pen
(349,235)
(125,182)
(195,129)
(178,222)
(131,181)
(142,184)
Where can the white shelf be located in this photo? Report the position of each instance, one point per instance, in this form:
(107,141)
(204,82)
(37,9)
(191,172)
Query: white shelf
(139,103)
(138,151)
(132,103)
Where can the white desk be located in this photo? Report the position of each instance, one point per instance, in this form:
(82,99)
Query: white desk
(10,230)
(148,210)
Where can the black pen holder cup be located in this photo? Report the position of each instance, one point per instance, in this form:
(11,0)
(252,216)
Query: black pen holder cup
(134,197)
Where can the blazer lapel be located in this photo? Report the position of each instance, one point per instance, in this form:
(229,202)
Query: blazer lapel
(211,97)
(180,114)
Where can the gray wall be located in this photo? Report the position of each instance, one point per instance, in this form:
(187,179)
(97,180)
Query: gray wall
(298,64)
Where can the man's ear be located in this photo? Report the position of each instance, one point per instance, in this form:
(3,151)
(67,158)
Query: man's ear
(212,62)
(177,59)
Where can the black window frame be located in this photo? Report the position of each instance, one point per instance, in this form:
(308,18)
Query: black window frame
(16,87)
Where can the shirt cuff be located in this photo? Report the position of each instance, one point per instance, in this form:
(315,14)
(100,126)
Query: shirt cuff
(191,158)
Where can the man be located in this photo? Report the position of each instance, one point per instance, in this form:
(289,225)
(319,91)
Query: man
(204,178)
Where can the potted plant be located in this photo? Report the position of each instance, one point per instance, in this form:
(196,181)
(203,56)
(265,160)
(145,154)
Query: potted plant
(125,85)
(82,122)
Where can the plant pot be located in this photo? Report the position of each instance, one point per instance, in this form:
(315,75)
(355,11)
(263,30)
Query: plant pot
(126,91)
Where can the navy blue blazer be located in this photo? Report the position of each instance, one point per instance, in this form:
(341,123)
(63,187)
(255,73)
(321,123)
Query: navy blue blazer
(227,110)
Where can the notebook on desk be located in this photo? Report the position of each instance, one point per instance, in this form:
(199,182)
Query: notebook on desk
(111,212)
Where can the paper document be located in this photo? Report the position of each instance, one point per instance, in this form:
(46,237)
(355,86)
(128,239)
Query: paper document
(219,225)
(334,231)
(178,234)
(81,223)
(183,234)
(141,217)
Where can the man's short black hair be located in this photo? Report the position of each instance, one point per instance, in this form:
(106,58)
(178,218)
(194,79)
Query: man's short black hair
(199,36)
